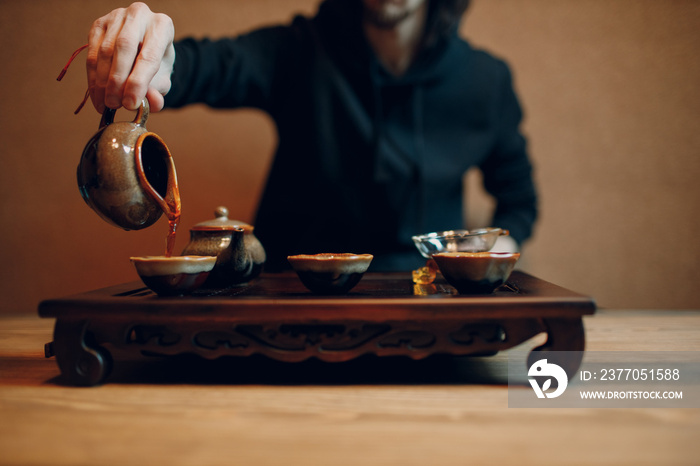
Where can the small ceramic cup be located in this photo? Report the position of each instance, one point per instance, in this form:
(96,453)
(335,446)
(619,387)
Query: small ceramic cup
(330,274)
(476,272)
(175,275)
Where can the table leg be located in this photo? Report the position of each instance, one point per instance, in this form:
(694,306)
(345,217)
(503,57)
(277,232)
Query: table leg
(566,335)
(82,362)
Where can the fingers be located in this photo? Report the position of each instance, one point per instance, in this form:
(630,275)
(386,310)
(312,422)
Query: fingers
(127,50)
(97,84)
(108,63)
(156,100)
(150,70)
(160,84)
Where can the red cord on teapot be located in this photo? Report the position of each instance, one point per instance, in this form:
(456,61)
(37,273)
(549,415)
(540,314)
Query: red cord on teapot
(63,73)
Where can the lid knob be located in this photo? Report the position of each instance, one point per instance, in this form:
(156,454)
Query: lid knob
(221,212)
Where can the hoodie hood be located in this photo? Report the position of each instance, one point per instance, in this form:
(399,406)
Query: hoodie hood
(339,23)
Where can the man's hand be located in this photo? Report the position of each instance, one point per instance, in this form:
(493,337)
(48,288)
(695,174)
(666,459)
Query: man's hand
(130,57)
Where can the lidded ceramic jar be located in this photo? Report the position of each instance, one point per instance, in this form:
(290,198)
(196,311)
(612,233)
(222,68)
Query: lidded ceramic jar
(240,255)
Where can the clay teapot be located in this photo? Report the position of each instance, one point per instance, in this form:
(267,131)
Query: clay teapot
(240,255)
(126,173)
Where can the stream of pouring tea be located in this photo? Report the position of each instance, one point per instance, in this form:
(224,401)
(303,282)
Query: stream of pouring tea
(172,201)
(172,234)
(158,173)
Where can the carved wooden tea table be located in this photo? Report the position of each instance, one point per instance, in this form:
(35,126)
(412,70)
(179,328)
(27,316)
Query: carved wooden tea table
(384,315)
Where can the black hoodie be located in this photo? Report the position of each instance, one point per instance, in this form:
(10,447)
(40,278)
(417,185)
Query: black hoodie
(365,159)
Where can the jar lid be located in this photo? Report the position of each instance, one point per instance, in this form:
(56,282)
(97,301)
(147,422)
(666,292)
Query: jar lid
(222,222)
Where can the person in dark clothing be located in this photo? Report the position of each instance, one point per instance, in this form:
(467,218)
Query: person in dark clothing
(380,109)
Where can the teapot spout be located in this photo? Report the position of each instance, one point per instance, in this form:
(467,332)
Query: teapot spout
(156,172)
(234,265)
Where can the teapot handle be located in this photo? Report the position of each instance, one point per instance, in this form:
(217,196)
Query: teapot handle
(140,119)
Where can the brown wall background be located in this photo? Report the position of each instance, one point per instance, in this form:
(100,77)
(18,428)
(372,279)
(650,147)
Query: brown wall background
(609,87)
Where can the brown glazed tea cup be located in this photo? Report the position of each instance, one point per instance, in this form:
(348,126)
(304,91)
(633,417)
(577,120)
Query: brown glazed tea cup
(476,272)
(175,275)
(330,274)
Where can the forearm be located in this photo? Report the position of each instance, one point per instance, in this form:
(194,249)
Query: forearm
(231,72)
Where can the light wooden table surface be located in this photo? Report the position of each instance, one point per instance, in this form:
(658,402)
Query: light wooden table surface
(368,411)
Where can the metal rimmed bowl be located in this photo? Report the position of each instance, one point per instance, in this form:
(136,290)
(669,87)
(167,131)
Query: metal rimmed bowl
(476,240)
